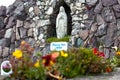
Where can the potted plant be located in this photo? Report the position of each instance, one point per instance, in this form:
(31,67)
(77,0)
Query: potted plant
(24,67)
(6,68)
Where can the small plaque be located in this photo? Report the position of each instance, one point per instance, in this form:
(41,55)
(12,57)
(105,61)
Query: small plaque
(58,46)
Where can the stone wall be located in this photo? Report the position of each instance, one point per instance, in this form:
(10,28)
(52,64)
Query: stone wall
(16,25)
(93,23)
(30,20)
(102,26)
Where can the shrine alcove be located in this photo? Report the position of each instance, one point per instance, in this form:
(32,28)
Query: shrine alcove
(51,31)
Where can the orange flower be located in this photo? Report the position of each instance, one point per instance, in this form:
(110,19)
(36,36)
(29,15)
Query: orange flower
(23,43)
(26,47)
(118,53)
(55,55)
(95,51)
(30,49)
(108,69)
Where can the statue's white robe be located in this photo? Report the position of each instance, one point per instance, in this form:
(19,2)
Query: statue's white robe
(61,23)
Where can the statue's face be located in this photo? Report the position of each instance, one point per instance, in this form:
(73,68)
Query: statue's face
(62,9)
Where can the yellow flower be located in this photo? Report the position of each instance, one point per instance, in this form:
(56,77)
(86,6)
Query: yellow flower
(43,61)
(67,69)
(51,62)
(37,64)
(118,53)
(17,53)
(64,54)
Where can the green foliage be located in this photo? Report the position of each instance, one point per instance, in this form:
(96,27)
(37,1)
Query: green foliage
(81,61)
(116,59)
(54,39)
(71,63)
(35,73)
(24,67)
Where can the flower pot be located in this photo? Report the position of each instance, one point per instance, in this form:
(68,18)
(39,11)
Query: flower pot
(6,68)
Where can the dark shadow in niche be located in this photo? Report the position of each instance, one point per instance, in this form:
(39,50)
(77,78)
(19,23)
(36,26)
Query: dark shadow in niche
(51,31)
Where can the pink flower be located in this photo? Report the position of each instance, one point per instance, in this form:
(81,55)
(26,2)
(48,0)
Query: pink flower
(6,66)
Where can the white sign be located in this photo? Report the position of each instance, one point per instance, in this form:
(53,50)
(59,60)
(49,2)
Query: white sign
(6,68)
(58,46)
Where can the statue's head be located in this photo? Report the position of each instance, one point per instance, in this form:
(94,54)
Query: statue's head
(62,9)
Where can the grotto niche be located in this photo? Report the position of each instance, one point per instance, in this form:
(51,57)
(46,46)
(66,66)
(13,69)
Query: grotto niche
(51,31)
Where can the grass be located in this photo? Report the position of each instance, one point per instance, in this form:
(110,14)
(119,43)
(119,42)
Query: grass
(54,39)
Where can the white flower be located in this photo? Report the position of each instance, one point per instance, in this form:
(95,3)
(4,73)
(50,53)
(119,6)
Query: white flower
(115,47)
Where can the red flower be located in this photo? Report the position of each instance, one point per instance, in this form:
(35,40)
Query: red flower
(50,59)
(101,54)
(95,51)
(46,59)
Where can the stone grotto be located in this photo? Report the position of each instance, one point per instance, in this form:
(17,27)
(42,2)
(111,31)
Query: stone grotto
(91,23)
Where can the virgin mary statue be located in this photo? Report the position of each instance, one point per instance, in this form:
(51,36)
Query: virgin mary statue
(61,23)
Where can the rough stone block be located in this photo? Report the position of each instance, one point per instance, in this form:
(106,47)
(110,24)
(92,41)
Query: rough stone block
(5,51)
(109,2)
(83,34)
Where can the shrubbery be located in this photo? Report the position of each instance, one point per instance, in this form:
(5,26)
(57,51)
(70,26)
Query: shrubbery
(58,64)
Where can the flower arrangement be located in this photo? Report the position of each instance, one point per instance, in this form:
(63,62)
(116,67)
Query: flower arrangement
(23,65)
(82,61)
(57,64)
(116,58)
(6,67)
